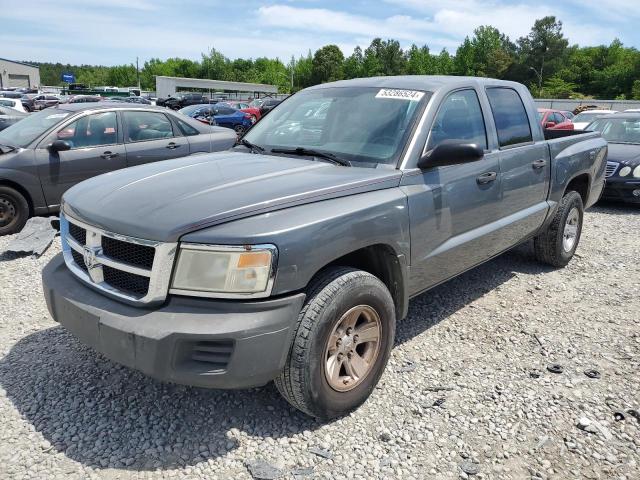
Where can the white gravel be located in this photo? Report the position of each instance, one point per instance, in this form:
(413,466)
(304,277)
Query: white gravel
(467,392)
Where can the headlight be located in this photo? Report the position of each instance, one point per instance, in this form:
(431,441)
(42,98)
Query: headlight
(636,172)
(624,171)
(225,272)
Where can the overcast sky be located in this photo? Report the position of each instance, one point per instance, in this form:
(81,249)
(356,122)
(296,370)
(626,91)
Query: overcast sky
(109,32)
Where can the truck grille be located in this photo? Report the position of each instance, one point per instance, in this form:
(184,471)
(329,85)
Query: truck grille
(130,269)
(611,168)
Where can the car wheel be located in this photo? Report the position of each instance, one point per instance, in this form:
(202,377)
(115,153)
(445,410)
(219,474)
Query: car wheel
(253,119)
(557,244)
(14,211)
(240,129)
(342,342)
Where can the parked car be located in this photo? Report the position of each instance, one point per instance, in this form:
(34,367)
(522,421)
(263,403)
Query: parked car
(622,131)
(291,259)
(50,151)
(35,102)
(554,119)
(244,107)
(84,99)
(222,114)
(581,120)
(181,101)
(568,114)
(265,104)
(10,94)
(9,116)
(13,103)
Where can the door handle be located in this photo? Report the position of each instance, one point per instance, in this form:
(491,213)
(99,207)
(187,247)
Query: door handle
(172,146)
(107,155)
(539,164)
(486,178)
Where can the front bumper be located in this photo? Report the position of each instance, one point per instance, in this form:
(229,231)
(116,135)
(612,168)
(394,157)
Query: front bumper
(621,190)
(192,341)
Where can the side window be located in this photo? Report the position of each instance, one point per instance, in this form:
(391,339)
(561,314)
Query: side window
(91,131)
(142,126)
(186,128)
(459,120)
(510,116)
(558,118)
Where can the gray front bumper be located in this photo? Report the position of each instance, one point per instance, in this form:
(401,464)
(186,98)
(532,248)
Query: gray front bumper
(201,342)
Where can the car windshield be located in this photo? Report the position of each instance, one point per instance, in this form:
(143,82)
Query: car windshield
(26,131)
(359,124)
(586,117)
(618,130)
(195,110)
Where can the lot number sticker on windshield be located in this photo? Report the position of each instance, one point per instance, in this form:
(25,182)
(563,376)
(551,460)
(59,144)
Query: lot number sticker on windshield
(413,95)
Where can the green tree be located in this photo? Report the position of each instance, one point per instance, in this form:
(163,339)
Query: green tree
(354,64)
(327,64)
(384,57)
(419,61)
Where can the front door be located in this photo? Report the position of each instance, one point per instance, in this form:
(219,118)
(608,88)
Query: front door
(150,137)
(454,209)
(96,148)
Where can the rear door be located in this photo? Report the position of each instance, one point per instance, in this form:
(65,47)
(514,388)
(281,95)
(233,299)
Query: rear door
(96,148)
(454,208)
(524,164)
(150,137)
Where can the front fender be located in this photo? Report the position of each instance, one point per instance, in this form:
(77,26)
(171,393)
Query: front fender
(311,236)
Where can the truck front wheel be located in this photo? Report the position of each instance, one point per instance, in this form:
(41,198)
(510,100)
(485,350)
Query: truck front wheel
(557,244)
(343,340)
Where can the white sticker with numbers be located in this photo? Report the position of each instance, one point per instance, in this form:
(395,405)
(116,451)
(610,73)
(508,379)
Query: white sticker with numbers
(413,95)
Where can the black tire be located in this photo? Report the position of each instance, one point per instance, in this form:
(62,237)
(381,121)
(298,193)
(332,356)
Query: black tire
(14,211)
(334,292)
(549,246)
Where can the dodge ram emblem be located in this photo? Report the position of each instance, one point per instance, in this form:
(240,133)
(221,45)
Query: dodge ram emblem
(89,255)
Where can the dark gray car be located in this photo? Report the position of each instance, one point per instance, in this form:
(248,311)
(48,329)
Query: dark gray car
(50,151)
(291,257)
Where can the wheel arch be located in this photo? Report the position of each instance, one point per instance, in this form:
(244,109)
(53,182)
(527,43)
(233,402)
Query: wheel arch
(581,184)
(23,191)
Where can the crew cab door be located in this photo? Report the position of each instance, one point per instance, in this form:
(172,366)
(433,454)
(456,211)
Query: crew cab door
(96,148)
(150,137)
(524,163)
(452,208)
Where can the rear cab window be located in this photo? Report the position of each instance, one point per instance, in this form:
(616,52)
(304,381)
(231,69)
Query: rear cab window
(510,117)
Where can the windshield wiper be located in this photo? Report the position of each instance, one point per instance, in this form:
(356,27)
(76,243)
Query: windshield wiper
(251,146)
(305,152)
(7,148)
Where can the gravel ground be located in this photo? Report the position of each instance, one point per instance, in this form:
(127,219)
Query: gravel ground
(467,393)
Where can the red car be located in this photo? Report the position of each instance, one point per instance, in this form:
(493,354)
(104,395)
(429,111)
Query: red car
(554,119)
(244,107)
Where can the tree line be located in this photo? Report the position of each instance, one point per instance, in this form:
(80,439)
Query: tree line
(543,60)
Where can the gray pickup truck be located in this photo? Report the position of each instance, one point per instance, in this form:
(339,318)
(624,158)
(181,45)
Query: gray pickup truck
(290,257)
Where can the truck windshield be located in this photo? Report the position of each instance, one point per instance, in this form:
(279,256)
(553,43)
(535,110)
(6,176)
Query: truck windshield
(358,124)
(618,130)
(24,132)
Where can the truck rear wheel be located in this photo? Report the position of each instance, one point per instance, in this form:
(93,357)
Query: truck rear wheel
(14,211)
(558,243)
(343,340)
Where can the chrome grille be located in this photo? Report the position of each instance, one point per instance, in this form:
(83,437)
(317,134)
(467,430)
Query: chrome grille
(611,168)
(131,269)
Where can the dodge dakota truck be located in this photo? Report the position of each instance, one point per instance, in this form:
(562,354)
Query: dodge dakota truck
(291,256)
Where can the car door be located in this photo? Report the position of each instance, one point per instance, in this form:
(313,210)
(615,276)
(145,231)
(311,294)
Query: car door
(96,148)
(150,137)
(454,208)
(524,164)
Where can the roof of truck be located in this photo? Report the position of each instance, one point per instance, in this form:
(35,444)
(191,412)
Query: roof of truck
(416,82)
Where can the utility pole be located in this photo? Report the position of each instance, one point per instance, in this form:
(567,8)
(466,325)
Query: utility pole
(138,73)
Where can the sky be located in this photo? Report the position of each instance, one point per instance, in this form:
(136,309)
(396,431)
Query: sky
(113,32)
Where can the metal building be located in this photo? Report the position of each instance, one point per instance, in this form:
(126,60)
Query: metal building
(166,86)
(18,75)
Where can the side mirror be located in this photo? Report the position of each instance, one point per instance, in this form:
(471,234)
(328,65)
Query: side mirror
(549,124)
(60,146)
(451,154)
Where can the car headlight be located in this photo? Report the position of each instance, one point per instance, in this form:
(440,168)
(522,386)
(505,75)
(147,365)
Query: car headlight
(636,172)
(225,272)
(624,171)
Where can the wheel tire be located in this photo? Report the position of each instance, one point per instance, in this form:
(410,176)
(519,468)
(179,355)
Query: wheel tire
(240,129)
(550,246)
(332,294)
(253,119)
(14,211)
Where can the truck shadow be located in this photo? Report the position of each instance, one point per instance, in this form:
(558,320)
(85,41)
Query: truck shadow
(104,415)
(615,208)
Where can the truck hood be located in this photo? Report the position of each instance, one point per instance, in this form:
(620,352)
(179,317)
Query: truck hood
(162,201)
(625,154)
